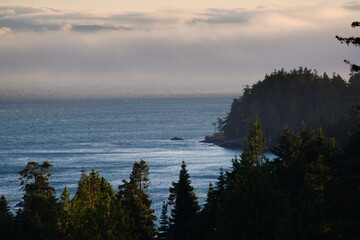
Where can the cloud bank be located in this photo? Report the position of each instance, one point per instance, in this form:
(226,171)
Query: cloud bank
(68,52)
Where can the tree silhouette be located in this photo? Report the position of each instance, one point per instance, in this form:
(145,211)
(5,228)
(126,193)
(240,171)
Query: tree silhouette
(164,223)
(351,40)
(6,219)
(185,205)
(39,213)
(133,197)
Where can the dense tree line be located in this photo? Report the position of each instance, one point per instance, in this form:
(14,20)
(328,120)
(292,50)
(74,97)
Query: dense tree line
(301,95)
(310,190)
(95,212)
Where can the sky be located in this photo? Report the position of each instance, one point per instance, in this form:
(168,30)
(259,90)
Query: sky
(131,48)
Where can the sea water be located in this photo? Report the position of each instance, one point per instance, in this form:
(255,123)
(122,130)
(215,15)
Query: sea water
(108,135)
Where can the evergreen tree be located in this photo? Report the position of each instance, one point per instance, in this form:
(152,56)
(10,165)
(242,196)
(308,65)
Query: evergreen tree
(133,197)
(211,200)
(64,216)
(220,185)
(6,220)
(163,230)
(254,152)
(251,157)
(40,206)
(344,193)
(184,204)
(353,40)
(91,214)
(206,218)
(252,205)
(288,165)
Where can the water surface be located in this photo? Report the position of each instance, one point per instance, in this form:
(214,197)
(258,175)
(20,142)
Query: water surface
(109,135)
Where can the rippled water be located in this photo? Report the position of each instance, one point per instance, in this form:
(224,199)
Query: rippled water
(109,135)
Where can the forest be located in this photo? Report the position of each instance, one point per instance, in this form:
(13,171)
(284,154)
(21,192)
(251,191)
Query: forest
(301,95)
(310,190)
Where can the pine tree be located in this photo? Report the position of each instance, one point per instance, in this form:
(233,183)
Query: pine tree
(91,214)
(252,156)
(289,167)
(211,200)
(163,230)
(133,197)
(252,204)
(254,152)
(40,206)
(221,183)
(185,205)
(64,217)
(6,220)
(343,210)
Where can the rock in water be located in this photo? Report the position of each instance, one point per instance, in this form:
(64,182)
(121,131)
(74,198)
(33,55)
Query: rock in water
(176,138)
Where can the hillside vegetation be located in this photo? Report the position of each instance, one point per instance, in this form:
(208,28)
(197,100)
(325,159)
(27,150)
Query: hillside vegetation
(301,95)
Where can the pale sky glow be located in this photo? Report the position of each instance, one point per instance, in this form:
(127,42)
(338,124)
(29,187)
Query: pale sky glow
(154,5)
(114,48)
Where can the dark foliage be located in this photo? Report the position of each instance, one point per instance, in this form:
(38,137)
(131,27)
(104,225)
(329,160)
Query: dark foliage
(163,230)
(184,205)
(136,202)
(354,41)
(300,95)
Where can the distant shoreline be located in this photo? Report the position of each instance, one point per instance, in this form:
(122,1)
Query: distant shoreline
(105,95)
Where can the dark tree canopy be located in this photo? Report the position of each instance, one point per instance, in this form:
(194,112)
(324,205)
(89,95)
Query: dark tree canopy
(40,206)
(184,205)
(136,201)
(301,95)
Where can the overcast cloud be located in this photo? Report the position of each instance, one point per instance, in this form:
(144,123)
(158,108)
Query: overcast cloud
(62,51)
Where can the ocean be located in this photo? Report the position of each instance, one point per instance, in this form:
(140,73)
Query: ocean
(108,135)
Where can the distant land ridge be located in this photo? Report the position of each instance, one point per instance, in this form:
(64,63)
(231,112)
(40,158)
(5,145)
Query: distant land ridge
(301,95)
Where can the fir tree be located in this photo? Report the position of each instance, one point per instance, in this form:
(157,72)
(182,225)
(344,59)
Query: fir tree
(211,200)
(6,220)
(91,215)
(133,197)
(40,206)
(184,204)
(289,167)
(252,204)
(254,152)
(163,230)
(221,183)
(64,216)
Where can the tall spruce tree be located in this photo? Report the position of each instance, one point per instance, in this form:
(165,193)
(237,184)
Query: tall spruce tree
(133,197)
(40,206)
(6,220)
(63,214)
(344,195)
(163,230)
(252,203)
(221,183)
(253,154)
(91,214)
(288,165)
(184,204)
